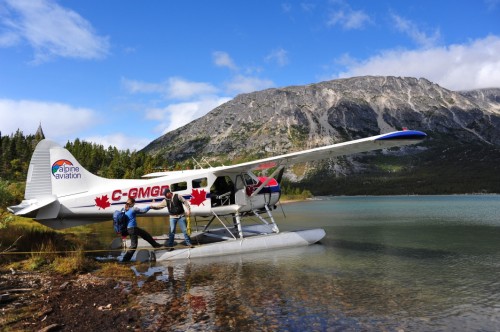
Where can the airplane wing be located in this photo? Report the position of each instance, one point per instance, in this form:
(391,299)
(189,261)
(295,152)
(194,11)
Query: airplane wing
(384,141)
(168,173)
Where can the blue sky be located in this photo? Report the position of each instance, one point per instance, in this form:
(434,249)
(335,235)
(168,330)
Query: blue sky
(123,73)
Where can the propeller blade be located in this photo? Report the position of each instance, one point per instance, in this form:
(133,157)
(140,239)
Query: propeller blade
(280,175)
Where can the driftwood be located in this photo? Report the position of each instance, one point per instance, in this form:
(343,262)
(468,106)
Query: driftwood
(7,295)
(53,327)
(18,290)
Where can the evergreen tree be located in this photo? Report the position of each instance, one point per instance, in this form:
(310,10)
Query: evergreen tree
(1,156)
(16,151)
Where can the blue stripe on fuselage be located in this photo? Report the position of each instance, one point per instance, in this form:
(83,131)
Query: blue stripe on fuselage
(270,189)
(403,135)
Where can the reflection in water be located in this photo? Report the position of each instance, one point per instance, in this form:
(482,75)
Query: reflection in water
(420,253)
(387,263)
(290,291)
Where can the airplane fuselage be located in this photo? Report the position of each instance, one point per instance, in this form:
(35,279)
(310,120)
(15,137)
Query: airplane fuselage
(198,187)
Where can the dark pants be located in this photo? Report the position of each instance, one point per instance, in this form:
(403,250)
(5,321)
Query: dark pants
(134,233)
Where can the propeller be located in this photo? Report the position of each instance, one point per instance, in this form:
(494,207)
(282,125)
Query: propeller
(280,175)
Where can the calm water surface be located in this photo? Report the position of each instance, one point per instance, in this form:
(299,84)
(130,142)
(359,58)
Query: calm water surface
(413,263)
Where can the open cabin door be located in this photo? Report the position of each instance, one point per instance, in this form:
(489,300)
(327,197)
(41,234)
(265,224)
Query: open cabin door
(245,184)
(222,191)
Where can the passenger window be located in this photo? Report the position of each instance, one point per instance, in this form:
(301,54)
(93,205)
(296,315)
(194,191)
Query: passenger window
(199,183)
(178,186)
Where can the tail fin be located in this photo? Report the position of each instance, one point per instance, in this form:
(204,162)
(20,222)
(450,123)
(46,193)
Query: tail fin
(53,174)
(54,170)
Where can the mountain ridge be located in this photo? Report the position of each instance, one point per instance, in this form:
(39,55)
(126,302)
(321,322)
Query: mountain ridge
(281,120)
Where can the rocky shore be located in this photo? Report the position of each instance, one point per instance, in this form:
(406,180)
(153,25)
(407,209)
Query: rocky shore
(38,301)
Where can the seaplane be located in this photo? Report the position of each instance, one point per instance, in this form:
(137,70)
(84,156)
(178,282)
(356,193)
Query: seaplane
(60,193)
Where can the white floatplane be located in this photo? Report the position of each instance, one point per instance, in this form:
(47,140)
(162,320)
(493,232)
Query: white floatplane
(60,193)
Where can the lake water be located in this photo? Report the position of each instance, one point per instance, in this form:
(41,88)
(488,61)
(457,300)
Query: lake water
(402,263)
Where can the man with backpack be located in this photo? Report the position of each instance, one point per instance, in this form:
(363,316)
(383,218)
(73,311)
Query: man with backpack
(178,208)
(134,231)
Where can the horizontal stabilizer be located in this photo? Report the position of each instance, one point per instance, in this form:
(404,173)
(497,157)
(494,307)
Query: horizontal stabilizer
(64,223)
(31,205)
(50,211)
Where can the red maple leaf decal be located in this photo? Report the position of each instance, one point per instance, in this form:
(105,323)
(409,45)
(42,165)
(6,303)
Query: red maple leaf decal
(102,202)
(198,197)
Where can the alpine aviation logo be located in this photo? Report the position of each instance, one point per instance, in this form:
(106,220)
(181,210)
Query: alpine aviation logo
(64,169)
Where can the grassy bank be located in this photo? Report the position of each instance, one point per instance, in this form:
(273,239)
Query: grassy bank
(28,245)
(295,195)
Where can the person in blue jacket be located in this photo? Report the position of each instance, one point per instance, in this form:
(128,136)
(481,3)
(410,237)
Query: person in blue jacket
(134,231)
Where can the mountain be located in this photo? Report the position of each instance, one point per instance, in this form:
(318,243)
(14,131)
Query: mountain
(460,155)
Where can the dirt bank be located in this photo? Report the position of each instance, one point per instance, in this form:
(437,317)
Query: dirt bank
(32,301)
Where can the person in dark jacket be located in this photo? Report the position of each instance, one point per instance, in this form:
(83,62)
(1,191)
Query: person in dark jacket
(178,208)
(134,231)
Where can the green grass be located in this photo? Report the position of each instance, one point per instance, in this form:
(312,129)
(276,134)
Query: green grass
(25,244)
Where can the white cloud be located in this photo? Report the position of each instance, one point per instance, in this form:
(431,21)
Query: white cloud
(343,15)
(492,4)
(286,7)
(472,65)
(348,19)
(9,39)
(59,121)
(245,84)
(198,98)
(52,31)
(280,56)
(414,32)
(174,116)
(308,6)
(173,88)
(134,86)
(222,59)
(181,89)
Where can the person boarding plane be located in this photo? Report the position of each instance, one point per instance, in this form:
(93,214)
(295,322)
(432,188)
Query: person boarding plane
(60,193)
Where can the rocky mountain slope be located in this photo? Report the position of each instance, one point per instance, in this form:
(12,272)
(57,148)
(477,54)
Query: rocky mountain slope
(463,129)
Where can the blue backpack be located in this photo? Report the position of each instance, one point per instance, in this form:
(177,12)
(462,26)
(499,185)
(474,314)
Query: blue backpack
(120,222)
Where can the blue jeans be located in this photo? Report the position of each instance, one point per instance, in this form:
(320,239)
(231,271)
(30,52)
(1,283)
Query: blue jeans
(182,225)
